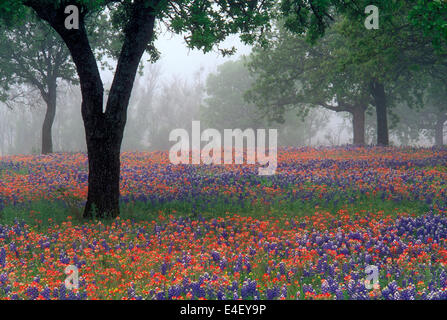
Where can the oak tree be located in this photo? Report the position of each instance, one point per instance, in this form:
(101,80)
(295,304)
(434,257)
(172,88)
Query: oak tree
(204,24)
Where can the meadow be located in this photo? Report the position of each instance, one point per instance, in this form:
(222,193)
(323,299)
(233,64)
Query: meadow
(224,232)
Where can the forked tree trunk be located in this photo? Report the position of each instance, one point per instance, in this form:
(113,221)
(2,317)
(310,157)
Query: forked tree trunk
(380,102)
(358,123)
(104,129)
(50,99)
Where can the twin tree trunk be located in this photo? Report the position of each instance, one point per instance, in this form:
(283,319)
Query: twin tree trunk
(50,100)
(104,129)
(380,102)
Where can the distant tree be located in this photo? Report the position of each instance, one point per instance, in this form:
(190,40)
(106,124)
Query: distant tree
(406,27)
(176,106)
(350,65)
(34,55)
(293,74)
(225,107)
(432,117)
(141,110)
(392,58)
(414,124)
(422,116)
(436,97)
(69,135)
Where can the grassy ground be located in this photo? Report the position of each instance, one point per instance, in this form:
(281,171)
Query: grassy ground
(41,214)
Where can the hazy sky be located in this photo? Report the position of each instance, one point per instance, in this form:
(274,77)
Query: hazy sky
(177,59)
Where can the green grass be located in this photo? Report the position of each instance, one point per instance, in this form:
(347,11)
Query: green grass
(21,171)
(38,213)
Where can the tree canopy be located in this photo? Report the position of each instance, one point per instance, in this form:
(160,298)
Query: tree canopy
(347,69)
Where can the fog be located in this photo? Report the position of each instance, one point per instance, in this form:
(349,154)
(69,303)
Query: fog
(171,94)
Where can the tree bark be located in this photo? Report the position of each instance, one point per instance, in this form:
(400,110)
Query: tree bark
(50,99)
(358,123)
(380,102)
(439,130)
(103,145)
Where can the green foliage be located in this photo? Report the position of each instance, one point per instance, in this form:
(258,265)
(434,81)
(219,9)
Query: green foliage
(431,17)
(293,74)
(205,23)
(307,17)
(12,11)
(340,67)
(314,17)
(31,54)
(224,106)
(398,54)
(202,23)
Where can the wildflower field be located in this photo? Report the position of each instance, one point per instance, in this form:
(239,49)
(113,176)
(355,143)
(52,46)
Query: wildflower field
(224,232)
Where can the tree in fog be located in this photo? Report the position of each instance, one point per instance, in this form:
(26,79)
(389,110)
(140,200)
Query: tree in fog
(293,74)
(436,97)
(34,55)
(225,107)
(438,112)
(408,30)
(141,110)
(426,120)
(158,107)
(68,131)
(392,58)
(348,69)
(176,106)
(20,124)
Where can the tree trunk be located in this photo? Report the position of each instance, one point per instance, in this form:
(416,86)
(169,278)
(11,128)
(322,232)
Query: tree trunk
(358,123)
(439,131)
(103,145)
(104,130)
(379,96)
(50,99)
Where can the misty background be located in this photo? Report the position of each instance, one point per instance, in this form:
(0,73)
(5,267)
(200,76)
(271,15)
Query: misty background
(186,85)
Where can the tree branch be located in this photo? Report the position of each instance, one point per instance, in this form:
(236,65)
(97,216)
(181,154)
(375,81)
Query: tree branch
(137,35)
